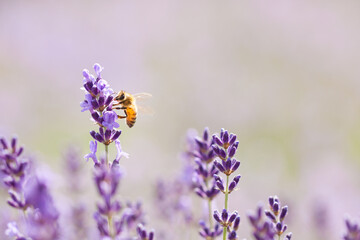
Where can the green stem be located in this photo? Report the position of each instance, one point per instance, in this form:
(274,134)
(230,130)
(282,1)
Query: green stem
(209,200)
(107,154)
(110,226)
(109,216)
(226,203)
(210,215)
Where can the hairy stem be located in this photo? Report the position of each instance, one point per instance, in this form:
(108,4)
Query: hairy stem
(107,154)
(210,215)
(226,203)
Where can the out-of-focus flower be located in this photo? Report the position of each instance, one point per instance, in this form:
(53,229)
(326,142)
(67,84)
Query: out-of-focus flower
(209,234)
(352,230)
(143,234)
(13,166)
(37,195)
(262,229)
(271,226)
(13,231)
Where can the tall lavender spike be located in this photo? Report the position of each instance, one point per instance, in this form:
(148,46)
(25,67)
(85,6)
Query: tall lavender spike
(99,102)
(225,147)
(205,185)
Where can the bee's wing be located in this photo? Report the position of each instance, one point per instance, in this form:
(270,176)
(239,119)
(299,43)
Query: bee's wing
(141,108)
(141,96)
(145,110)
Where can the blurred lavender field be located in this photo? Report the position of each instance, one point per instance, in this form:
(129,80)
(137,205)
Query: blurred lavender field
(283,76)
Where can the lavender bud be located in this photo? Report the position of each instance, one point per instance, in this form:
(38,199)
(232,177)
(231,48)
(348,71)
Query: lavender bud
(232,151)
(283,213)
(224,215)
(236,223)
(235,165)
(216,216)
(101,101)
(219,166)
(217,140)
(94,104)
(232,139)
(225,137)
(13,144)
(109,100)
(221,186)
(233,216)
(3,142)
(271,216)
(206,134)
(276,208)
(279,226)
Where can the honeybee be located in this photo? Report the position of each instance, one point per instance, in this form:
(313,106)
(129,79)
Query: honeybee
(127,102)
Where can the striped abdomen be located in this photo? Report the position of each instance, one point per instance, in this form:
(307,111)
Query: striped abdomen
(131,113)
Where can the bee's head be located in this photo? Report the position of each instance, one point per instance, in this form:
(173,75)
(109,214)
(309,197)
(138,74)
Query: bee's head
(120,96)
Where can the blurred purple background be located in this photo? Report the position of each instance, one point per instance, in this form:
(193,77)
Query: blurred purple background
(282,75)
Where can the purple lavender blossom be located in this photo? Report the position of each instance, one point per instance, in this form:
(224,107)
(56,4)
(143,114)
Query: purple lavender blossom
(120,152)
(98,100)
(109,121)
(92,154)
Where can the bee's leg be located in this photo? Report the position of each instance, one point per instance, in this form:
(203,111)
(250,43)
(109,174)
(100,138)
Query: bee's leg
(124,112)
(120,108)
